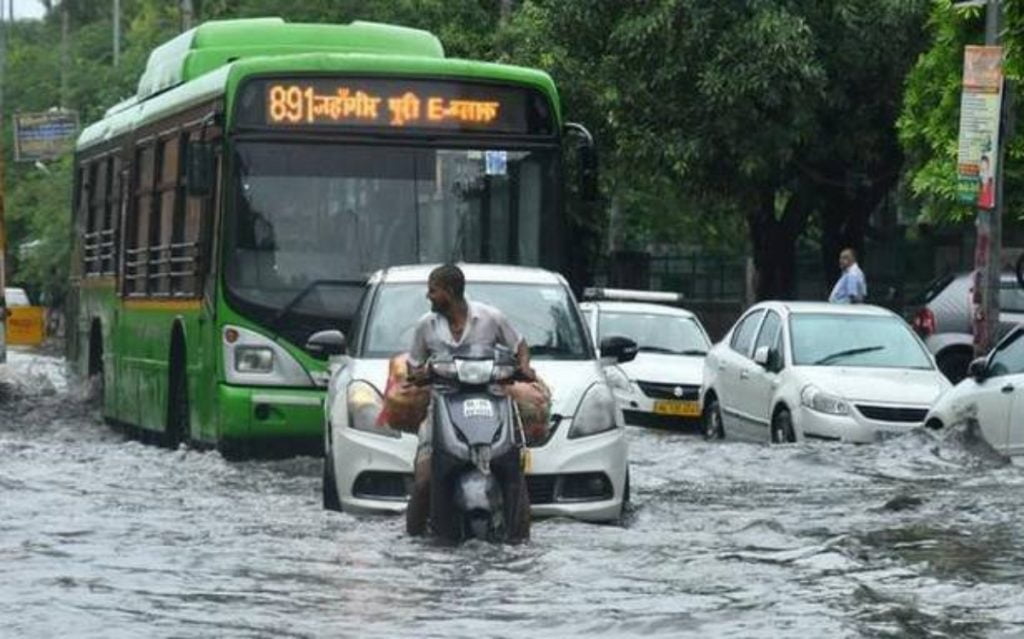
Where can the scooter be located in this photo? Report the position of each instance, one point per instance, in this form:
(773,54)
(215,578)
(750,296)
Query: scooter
(477,488)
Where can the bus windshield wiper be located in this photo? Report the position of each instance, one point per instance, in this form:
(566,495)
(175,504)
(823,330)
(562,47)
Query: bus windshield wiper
(301,295)
(847,353)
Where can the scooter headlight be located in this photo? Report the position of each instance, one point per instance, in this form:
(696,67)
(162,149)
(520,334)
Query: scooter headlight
(474,371)
(596,413)
(364,407)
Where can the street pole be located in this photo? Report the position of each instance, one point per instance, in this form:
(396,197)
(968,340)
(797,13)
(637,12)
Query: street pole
(63,54)
(3,228)
(187,15)
(117,32)
(988,249)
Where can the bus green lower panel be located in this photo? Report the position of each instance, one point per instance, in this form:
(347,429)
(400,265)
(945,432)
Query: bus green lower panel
(270,413)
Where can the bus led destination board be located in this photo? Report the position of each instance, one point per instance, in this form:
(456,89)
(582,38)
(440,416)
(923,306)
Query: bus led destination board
(393,104)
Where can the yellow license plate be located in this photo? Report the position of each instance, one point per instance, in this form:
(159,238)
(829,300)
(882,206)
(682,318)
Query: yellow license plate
(677,408)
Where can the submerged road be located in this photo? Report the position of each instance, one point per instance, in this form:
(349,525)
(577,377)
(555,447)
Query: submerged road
(104,537)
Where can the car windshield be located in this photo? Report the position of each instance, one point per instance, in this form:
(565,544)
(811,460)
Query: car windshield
(869,341)
(544,314)
(655,332)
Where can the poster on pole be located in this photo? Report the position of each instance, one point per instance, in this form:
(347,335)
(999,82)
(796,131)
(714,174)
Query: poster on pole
(44,136)
(980,107)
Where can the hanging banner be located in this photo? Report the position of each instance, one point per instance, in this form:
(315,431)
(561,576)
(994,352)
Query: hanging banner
(980,107)
(44,136)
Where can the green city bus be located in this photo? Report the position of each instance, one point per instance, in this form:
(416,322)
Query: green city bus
(236,203)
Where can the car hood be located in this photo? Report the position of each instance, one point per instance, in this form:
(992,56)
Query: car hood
(887,385)
(665,369)
(568,380)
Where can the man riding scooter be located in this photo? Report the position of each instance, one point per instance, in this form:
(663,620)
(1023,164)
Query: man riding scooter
(455,322)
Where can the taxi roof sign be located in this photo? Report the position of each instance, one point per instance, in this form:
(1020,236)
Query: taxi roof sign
(599,293)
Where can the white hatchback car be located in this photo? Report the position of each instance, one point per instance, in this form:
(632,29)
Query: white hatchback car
(581,469)
(662,385)
(993,394)
(794,370)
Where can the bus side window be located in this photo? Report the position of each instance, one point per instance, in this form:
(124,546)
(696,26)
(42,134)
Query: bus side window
(164,253)
(136,241)
(197,225)
(81,217)
(94,203)
(111,205)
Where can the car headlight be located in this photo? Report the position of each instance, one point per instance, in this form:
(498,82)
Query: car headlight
(596,413)
(254,359)
(617,379)
(364,407)
(816,399)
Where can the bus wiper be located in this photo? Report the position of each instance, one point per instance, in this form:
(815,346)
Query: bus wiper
(847,353)
(301,295)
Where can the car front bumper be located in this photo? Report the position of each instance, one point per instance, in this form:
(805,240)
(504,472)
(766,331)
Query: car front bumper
(559,473)
(638,410)
(853,428)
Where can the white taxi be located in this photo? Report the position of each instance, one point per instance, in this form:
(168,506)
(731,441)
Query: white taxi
(661,387)
(579,471)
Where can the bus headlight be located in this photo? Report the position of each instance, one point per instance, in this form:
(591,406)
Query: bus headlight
(596,413)
(254,359)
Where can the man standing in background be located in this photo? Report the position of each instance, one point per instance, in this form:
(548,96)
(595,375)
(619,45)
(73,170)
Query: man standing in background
(851,288)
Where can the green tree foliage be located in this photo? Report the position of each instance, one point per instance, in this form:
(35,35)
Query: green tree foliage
(929,123)
(713,119)
(707,112)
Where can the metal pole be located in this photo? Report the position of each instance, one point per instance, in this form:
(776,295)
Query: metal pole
(117,32)
(187,15)
(3,229)
(63,54)
(988,251)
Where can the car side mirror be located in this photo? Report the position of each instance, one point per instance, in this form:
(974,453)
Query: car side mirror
(761,356)
(618,348)
(325,344)
(200,169)
(978,369)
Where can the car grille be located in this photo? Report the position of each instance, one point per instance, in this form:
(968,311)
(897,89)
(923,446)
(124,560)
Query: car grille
(668,391)
(893,413)
(541,488)
(640,418)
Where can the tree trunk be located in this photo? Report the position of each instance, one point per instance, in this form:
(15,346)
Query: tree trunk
(774,243)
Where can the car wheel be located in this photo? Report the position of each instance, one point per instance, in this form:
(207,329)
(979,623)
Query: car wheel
(953,364)
(712,420)
(782,427)
(329,490)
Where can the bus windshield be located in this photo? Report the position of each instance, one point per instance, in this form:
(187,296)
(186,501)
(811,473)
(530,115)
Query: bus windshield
(308,212)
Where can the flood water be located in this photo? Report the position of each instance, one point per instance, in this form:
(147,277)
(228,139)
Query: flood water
(105,537)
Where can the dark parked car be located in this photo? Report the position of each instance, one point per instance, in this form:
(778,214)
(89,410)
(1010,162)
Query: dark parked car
(943,319)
